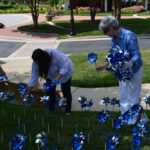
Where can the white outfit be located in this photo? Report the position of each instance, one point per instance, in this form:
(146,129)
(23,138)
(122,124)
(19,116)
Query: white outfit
(130,91)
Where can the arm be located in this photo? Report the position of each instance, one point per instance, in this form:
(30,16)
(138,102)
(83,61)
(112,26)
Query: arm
(133,48)
(34,77)
(102,67)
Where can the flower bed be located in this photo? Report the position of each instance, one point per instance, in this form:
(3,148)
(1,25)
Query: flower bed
(133,9)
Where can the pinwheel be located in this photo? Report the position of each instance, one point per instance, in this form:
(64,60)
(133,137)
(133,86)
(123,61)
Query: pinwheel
(3,78)
(147,100)
(18,142)
(117,58)
(78,141)
(112,142)
(92,58)
(103,116)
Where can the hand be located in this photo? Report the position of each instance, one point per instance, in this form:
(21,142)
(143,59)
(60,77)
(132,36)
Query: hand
(127,65)
(100,68)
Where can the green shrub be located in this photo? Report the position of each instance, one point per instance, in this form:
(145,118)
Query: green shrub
(5,2)
(12,2)
(6,7)
(127,11)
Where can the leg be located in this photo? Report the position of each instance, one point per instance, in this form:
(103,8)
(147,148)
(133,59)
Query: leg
(66,90)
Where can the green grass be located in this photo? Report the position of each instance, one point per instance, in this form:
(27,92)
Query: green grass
(85,74)
(146,13)
(87,13)
(87,122)
(85,28)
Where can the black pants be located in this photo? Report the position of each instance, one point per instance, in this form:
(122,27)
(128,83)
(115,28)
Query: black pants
(66,90)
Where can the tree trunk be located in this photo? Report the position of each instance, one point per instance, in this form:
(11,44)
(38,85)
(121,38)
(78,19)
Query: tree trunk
(35,20)
(117,9)
(92,13)
(34,6)
(92,5)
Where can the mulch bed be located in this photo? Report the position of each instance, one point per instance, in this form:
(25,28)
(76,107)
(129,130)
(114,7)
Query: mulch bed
(13,88)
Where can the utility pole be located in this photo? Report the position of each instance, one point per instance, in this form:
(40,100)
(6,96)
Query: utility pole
(72,33)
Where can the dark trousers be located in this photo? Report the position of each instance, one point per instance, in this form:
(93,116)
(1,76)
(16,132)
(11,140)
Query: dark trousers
(66,90)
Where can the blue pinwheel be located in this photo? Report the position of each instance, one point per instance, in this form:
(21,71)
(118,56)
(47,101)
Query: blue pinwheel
(105,101)
(22,88)
(113,101)
(48,86)
(117,58)
(3,78)
(42,139)
(18,142)
(28,99)
(78,141)
(117,124)
(45,100)
(102,117)
(112,142)
(84,103)
(147,100)
(92,58)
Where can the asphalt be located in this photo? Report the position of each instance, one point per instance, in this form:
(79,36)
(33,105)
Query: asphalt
(17,65)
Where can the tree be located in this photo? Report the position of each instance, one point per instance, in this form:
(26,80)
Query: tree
(34,6)
(117,9)
(93,9)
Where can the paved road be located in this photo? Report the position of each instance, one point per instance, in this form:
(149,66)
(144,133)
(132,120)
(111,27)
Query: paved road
(70,47)
(7,48)
(95,45)
(13,19)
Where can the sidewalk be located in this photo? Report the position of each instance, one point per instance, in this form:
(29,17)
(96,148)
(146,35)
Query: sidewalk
(18,65)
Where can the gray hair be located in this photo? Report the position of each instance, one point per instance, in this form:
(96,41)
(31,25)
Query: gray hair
(109,21)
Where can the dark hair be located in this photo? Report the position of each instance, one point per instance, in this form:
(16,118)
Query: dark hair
(43,60)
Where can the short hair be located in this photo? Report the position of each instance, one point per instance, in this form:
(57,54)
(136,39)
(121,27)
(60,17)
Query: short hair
(109,21)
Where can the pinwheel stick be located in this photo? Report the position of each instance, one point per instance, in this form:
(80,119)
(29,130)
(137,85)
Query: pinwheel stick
(97,70)
(101,127)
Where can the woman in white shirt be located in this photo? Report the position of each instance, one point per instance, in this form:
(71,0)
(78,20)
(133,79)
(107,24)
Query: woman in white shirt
(53,65)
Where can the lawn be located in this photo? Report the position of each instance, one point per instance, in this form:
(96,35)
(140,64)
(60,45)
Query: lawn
(85,74)
(85,28)
(32,121)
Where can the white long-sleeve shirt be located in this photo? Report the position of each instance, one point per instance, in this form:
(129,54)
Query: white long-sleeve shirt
(60,64)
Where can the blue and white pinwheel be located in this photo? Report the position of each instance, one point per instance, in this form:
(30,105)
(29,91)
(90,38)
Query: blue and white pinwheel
(102,117)
(49,85)
(84,103)
(28,99)
(105,101)
(3,78)
(92,58)
(45,99)
(42,139)
(78,141)
(112,142)
(147,100)
(18,142)
(117,58)
(22,88)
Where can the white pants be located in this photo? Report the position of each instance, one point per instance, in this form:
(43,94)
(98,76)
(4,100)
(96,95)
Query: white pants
(130,91)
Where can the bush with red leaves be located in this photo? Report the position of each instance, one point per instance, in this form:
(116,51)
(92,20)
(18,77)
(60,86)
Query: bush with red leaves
(133,9)
(87,8)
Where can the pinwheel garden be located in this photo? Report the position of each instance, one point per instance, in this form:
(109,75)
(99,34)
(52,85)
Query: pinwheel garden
(82,130)
(29,128)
